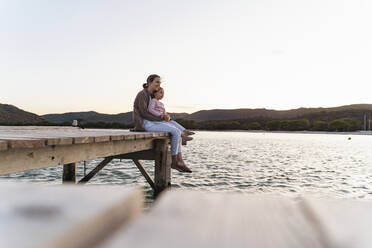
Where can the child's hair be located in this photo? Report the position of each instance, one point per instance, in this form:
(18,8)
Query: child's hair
(153,94)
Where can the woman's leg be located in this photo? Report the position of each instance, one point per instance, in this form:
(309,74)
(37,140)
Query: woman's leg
(179,154)
(180,159)
(179,147)
(175,143)
(164,127)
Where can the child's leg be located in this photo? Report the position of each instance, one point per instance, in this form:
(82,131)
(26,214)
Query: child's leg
(176,125)
(184,133)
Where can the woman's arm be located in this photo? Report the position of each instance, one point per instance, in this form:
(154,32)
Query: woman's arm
(152,108)
(142,110)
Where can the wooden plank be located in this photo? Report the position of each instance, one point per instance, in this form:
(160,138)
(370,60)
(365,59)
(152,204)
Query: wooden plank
(185,219)
(160,134)
(83,140)
(42,138)
(163,138)
(30,138)
(69,173)
(64,216)
(130,137)
(347,223)
(59,141)
(117,137)
(162,166)
(27,143)
(54,133)
(3,145)
(48,133)
(163,134)
(39,133)
(144,173)
(99,167)
(15,160)
(148,135)
(37,127)
(102,138)
(69,130)
(140,136)
(155,134)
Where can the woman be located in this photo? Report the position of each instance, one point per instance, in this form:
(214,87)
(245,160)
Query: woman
(145,121)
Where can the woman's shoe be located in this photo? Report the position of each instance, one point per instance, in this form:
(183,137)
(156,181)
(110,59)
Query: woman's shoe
(181,168)
(184,168)
(186,138)
(176,167)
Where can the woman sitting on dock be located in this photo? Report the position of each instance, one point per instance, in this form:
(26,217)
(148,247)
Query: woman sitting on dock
(145,121)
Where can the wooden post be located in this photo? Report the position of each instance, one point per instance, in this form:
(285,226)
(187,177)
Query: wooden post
(69,173)
(162,166)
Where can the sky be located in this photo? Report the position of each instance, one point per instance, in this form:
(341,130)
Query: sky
(89,55)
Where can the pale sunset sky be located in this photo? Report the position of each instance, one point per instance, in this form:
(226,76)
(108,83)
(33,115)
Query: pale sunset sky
(82,55)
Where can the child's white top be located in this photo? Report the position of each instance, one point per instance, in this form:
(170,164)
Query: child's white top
(156,107)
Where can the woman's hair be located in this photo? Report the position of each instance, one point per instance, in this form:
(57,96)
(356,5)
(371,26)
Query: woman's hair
(150,79)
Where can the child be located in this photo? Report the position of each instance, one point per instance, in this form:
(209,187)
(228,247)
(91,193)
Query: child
(157,108)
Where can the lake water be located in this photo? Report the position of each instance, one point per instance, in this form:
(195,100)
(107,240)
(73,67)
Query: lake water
(282,163)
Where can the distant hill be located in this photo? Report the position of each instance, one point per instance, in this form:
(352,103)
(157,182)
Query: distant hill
(267,114)
(326,114)
(11,114)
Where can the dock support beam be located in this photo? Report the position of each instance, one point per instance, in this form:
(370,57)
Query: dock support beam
(162,166)
(69,173)
(99,167)
(144,173)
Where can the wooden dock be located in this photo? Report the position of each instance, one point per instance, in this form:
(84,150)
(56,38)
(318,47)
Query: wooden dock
(29,148)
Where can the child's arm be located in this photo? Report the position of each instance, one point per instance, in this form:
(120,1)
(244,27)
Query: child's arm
(152,109)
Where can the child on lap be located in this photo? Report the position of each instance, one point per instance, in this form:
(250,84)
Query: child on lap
(157,108)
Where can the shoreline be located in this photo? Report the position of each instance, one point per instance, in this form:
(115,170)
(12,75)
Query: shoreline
(298,132)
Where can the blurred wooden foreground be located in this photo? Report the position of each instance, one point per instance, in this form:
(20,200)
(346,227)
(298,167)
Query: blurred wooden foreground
(113,216)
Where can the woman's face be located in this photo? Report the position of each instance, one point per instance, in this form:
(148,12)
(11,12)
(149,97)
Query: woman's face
(154,85)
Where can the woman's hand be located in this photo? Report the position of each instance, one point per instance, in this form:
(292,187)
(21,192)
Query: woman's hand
(165,117)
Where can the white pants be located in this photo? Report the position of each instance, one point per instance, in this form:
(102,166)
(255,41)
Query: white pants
(171,127)
(176,125)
